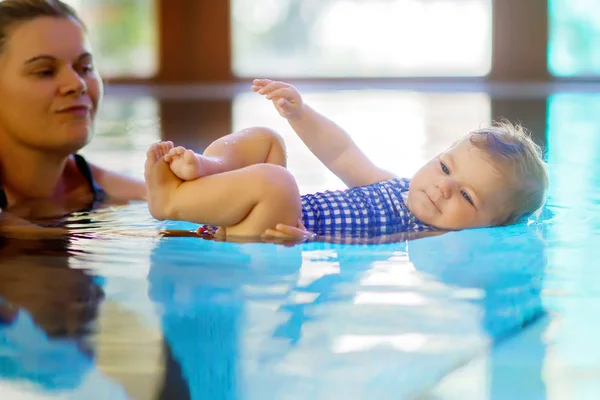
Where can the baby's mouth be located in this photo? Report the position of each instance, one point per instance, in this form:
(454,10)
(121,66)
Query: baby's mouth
(433,202)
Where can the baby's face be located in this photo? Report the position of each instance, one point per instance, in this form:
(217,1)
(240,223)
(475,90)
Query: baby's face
(458,189)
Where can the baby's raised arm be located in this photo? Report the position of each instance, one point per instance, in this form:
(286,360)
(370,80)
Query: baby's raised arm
(325,139)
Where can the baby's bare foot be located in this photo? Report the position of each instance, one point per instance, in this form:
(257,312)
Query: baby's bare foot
(160,181)
(188,165)
(185,164)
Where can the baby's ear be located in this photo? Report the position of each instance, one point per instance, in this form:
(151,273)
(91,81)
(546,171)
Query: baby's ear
(504,218)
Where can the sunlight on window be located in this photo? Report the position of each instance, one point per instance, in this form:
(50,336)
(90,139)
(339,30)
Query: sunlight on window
(574,36)
(338,38)
(123,34)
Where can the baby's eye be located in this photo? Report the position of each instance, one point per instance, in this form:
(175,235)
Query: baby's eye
(444,168)
(466,196)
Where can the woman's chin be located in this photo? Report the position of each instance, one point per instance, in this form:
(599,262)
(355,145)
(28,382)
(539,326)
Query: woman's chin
(69,145)
(77,138)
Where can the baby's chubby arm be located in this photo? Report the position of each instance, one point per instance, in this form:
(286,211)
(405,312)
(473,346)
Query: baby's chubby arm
(325,139)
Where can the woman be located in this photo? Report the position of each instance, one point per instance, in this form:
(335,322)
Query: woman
(50,93)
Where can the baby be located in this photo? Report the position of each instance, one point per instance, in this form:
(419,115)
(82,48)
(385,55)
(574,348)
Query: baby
(490,177)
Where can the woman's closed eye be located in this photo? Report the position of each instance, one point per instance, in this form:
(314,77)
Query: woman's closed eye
(82,70)
(44,73)
(86,69)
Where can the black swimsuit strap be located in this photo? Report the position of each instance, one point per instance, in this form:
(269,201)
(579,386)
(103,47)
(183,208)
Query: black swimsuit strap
(84,168)
(3,199)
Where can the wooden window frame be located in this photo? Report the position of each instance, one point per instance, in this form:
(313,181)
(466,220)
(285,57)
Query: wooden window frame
(203,28)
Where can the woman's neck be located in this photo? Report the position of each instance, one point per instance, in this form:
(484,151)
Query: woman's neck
(27,173)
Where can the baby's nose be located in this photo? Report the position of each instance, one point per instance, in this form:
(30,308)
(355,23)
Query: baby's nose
(447,187)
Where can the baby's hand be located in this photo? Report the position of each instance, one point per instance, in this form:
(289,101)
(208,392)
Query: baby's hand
(295,234)
(286,98)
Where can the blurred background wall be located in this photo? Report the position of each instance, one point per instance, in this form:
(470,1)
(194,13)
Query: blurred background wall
(197,41)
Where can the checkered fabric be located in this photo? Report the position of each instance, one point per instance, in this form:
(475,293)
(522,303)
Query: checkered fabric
(365,211)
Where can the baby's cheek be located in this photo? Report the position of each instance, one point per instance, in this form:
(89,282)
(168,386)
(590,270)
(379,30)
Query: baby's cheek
(463,215)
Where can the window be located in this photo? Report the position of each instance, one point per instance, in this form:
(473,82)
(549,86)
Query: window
(352,38)
(574,36)
(124,35)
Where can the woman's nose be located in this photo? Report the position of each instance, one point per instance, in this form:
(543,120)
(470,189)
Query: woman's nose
(73,83)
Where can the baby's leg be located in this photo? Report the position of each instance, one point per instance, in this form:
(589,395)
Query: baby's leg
(187,165)
(249,146)
(160,181)
(245,201)
(237,150)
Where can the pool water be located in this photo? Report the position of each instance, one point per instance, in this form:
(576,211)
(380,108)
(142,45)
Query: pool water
(118,311)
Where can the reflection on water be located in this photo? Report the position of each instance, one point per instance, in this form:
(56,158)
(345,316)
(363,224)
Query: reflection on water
(264,321)
(572,291)
(118,311)
(124,130)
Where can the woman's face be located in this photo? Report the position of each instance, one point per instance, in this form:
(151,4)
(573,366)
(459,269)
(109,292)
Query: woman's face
(49,88)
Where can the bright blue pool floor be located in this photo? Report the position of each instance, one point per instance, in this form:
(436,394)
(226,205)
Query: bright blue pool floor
(504,313)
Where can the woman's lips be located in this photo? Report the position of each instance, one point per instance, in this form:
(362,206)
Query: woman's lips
(75,110)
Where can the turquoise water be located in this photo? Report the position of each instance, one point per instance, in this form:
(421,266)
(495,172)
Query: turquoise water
(118,311)
(316,320)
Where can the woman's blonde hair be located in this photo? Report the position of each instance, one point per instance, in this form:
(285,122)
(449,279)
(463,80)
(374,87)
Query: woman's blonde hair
(511,147)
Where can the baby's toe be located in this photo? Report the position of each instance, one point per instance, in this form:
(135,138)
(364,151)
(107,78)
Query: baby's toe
(188,155)
(154,152)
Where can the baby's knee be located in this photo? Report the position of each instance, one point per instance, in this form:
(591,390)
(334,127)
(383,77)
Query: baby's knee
(267,135)
(278,193)
(276,200)
(275,181)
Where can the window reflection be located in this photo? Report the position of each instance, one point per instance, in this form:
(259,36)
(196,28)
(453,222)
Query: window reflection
(571,282)
(124,129)
(308,38)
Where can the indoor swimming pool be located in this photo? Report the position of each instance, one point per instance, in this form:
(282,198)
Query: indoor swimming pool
(118,311)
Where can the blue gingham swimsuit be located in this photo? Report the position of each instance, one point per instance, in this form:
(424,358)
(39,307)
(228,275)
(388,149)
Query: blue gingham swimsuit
(364,211)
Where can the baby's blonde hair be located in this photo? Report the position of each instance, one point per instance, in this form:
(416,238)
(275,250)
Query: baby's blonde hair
(511,148)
